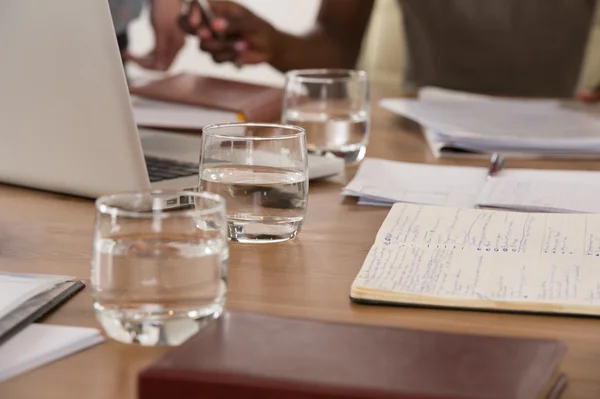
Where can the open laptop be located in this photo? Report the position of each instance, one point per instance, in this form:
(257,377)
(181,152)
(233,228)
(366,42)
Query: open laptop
(66,123)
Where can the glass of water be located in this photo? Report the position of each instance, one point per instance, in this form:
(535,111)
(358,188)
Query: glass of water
(332,105)
(262,172)
(159,265)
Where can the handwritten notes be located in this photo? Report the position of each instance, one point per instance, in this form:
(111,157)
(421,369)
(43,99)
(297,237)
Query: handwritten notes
(484,258)
(455,228)
(487,230)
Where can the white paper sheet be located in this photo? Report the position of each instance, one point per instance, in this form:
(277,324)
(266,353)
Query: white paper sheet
(382,181)
(40,344)
(541,195)
(161,114)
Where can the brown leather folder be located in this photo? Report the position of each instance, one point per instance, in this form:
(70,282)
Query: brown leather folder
(255,356)
(254,103)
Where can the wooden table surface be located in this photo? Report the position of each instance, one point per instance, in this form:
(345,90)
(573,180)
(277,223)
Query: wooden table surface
(309,277)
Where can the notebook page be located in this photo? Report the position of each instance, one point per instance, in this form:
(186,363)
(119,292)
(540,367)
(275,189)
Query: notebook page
(462,229)
(488,230)
(424,253)
(514,192)
(470,276)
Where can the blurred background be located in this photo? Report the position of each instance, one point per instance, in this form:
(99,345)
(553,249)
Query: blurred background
(382,54)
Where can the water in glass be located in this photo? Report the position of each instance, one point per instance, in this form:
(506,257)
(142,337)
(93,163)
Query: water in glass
(158,280)
(343,134)
(332,105)
(263,202)
(261,170)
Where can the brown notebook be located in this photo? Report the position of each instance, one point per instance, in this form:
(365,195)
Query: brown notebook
(253,103)
(254,356)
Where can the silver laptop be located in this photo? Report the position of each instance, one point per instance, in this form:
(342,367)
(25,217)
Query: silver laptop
(66,123)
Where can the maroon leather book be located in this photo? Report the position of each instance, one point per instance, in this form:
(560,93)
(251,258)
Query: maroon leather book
(254,103)
(256,356)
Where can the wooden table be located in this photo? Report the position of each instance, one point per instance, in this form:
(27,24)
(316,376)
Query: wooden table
(309,277)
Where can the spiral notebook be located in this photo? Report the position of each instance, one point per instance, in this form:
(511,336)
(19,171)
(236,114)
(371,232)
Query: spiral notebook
(447,257)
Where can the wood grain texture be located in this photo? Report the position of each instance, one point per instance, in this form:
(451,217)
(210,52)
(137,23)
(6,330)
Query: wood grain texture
(310,277)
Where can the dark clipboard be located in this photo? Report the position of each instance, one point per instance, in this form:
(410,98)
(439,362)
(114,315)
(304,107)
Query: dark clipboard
(36,308)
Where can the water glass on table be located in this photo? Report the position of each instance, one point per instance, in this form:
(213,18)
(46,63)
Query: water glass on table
(159,265)
(332,105)
(261,170)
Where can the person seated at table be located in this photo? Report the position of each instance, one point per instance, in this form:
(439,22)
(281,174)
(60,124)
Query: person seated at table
(169,38)
(507,47)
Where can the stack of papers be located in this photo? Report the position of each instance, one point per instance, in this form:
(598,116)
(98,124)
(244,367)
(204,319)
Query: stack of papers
(463,122)
(382,183)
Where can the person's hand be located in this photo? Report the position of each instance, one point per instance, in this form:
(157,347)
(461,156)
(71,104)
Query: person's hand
(249,39)
(592,96)
(169,37)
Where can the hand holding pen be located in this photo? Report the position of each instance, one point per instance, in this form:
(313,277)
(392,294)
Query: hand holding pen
(229,31)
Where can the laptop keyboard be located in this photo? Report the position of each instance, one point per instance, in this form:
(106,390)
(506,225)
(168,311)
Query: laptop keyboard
(164,169)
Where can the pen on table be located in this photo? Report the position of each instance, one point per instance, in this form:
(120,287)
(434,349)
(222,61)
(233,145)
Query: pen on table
(496,165)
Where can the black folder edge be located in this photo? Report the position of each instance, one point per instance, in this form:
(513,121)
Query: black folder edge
(36,308)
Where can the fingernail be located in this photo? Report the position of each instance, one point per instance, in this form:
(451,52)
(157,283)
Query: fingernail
(240,46)
(220,24)
(204,33)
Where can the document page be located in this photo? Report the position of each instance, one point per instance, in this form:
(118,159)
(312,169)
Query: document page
(514,192)
(386,181)
(516,127)
(517,120)
(429,254)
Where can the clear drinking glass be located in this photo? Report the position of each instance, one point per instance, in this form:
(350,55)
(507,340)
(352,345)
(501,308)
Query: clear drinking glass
(159,265)
(332,105)
(262,172)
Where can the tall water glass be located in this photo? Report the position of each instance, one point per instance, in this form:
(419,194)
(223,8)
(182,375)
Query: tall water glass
(332,105)
(262,172)
(159,265)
